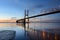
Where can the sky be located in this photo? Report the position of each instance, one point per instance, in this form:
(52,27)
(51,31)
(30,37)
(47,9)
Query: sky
(15,8)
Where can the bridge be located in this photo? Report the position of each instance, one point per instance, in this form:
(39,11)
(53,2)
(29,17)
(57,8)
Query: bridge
(23,20)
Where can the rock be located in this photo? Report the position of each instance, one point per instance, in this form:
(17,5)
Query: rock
(7,35)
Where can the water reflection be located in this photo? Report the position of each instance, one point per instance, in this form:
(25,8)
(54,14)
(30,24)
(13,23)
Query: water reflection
(42,35)
(47,34)
(6,31)
(20,24)
(8,24)
(34,31)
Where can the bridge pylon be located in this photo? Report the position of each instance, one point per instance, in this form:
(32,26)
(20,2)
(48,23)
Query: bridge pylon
(26,15)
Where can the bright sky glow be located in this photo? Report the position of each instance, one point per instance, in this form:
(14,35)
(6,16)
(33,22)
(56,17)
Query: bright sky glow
(15,8)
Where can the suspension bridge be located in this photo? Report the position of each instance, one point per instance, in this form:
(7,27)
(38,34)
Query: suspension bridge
(23,20)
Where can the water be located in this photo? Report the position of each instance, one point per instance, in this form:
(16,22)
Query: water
(33,31)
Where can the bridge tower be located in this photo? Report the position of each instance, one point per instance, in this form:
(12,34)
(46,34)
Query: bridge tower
(26,13)
(26,19)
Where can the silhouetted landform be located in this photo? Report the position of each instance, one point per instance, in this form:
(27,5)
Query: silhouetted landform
(7,35)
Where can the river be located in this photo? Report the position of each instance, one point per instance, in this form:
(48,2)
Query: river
(33,31)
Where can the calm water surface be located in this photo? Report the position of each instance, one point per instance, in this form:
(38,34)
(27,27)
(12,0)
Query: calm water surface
(34,31)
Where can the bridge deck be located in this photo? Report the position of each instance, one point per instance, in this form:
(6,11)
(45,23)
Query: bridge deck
(54,12)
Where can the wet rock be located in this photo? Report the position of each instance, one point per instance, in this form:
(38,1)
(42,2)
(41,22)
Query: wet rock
(7,35)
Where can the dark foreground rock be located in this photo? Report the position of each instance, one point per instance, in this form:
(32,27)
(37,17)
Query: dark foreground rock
(7,35)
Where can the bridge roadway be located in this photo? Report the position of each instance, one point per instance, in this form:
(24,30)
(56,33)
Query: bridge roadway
(44,14)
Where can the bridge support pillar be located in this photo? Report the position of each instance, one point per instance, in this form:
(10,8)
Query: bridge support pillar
(26,16)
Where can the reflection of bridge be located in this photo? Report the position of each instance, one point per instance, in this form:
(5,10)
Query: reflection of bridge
(44,14)
(40,34)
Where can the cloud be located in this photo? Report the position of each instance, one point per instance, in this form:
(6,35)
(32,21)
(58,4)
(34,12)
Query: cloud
(38,6)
